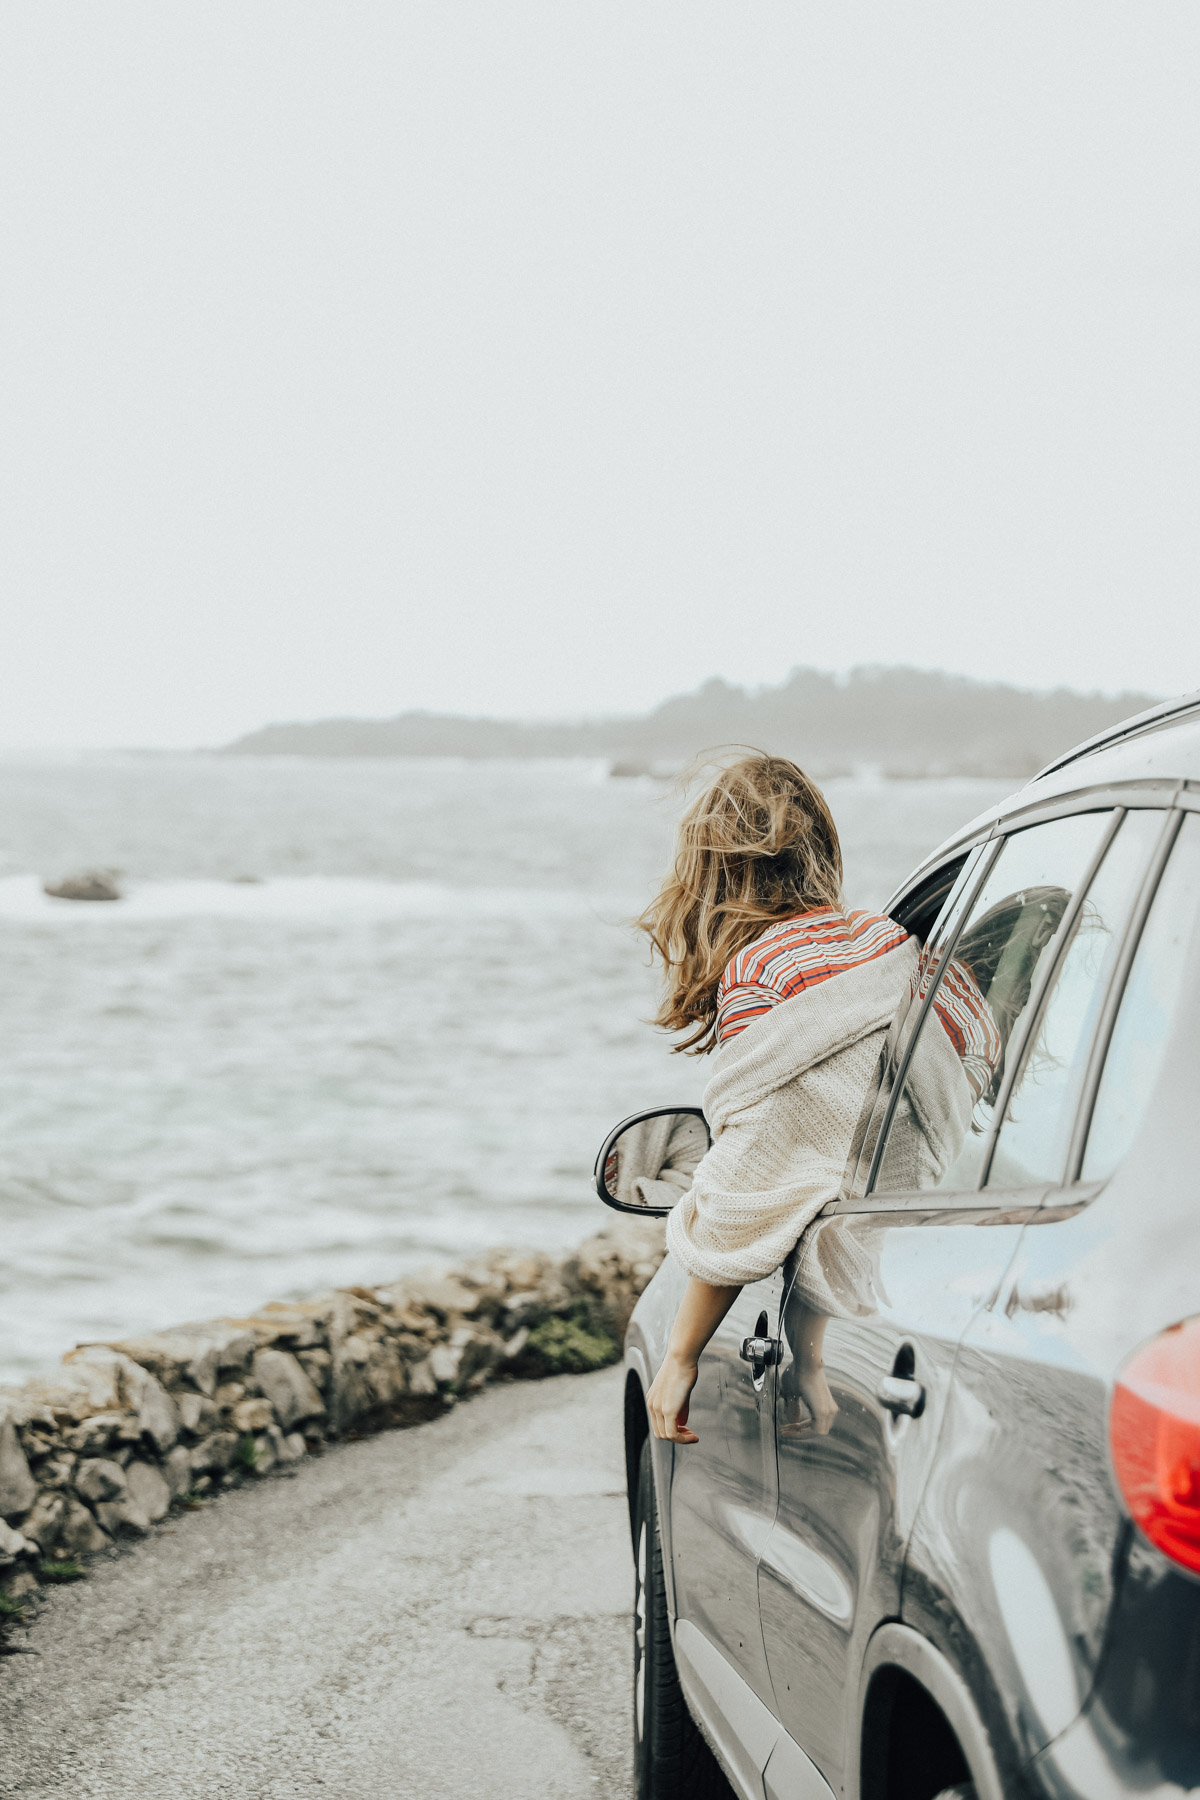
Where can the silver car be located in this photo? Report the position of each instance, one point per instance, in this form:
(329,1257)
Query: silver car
(981,1580)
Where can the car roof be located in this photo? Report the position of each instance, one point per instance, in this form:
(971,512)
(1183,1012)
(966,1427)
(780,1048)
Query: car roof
(1159,745)
(1156,718)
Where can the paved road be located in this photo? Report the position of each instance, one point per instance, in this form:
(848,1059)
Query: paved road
(434,1614)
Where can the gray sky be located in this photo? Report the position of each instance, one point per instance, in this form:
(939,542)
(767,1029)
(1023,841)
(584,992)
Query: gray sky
(541,358)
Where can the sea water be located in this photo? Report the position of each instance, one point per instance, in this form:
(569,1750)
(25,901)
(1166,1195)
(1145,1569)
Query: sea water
(352,1016)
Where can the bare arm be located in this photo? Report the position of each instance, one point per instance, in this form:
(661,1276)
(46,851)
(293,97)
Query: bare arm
(700,1312)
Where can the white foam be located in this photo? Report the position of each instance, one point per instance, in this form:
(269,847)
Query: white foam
(297,897)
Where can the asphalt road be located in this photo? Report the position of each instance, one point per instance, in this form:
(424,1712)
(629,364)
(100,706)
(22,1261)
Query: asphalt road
(433,1614)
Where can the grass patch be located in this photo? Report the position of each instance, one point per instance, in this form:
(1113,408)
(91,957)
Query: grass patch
(193,1502)
(58,1569)
(567,1346)
(247,1455)
(12,1609)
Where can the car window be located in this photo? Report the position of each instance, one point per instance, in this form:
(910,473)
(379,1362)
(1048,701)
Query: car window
(1040,1116)
(959,879)
(939,1130)
(1147,1008)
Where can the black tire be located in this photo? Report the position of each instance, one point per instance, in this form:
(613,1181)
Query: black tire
(671,1760)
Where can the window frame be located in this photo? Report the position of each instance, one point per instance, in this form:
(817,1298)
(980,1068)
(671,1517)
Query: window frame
(975,870)
(1097,796)
(1106,1022)
(1016,1063)
(972,865)
(1164,797)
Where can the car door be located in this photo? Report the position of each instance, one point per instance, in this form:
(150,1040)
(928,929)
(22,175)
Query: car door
(909,1262)
(1016,1544)
(723,1489)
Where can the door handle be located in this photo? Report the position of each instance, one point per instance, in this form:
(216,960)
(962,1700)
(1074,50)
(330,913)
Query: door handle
(760,1351)
(900,1395)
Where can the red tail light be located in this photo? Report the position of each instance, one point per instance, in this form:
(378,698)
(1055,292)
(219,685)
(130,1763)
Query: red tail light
(1154,1432)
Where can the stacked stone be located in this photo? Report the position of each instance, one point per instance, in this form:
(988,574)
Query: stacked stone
(102,1450)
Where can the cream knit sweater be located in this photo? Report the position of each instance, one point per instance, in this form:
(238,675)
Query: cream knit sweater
(782,1104)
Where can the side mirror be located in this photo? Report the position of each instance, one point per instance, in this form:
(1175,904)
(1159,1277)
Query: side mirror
(646,1164)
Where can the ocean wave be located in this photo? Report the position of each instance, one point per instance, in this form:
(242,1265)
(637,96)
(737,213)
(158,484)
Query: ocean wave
(302,897)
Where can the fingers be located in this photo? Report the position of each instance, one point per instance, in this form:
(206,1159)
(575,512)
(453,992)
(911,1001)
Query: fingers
(682,1432)
(675,1433)
(660,1425)
(668,1403)
(672,1430)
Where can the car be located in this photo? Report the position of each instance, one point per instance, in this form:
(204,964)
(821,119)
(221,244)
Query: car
(983,1579)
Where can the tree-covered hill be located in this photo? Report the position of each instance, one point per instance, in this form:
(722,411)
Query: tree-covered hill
(903,721)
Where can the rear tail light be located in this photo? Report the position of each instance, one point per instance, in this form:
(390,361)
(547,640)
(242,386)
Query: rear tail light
(1154,1433)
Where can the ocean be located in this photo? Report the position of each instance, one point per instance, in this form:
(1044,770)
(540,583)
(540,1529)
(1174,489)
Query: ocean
(352,1017)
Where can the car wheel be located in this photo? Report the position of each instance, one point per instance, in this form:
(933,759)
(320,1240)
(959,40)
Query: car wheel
(671,1759)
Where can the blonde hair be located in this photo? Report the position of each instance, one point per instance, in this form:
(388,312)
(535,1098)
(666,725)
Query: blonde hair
(758,845)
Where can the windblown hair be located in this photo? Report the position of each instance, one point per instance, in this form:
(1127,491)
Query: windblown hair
(757,846)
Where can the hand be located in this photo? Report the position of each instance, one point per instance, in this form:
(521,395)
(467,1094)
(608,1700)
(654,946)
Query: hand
(669,1399)
(812,1409)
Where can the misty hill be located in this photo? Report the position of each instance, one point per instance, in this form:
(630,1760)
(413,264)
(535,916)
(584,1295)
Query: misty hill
(905,721)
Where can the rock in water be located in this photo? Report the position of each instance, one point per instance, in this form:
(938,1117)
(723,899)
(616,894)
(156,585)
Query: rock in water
(94,884)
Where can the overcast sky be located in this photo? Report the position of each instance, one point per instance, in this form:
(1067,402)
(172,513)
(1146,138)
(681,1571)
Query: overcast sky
(548,358)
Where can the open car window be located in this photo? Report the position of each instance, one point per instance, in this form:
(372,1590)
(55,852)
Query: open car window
(974,999)
(932,915)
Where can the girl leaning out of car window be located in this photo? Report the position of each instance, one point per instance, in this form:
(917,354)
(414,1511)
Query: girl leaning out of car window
(792,995)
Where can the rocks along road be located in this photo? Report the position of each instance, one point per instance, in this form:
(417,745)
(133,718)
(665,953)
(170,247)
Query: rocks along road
(439,1613)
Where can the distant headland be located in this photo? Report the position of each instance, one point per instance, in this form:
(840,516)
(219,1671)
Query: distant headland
(902,722)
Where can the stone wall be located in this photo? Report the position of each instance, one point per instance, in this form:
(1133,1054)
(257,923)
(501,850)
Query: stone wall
(126,1431)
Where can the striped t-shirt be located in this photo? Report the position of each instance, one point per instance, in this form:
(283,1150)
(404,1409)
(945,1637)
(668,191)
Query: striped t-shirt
(797,954)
